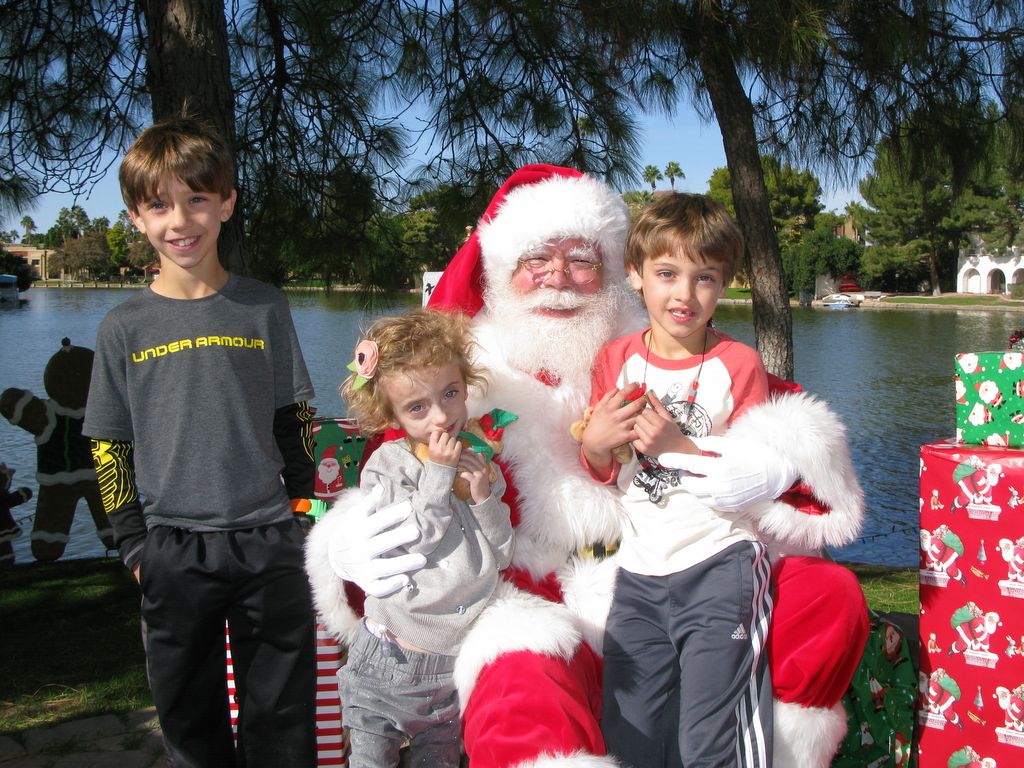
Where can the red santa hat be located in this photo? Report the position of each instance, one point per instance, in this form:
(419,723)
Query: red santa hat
(537,203)
(330,452)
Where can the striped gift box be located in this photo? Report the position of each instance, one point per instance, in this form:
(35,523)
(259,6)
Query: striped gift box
(330,740)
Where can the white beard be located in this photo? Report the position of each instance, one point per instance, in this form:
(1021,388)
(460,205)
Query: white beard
(563,346)
(328,475)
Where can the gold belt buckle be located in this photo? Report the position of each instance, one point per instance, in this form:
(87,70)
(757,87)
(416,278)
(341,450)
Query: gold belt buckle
(598,551)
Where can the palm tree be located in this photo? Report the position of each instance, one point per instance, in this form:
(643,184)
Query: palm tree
(637,200)
(29,226)
(674,171)
(72,222)
(652,175)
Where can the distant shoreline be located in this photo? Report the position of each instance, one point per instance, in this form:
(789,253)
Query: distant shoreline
(873,304)
(869,304)
(135,286)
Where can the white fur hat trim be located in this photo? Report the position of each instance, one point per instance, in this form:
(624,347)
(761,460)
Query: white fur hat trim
(554,208)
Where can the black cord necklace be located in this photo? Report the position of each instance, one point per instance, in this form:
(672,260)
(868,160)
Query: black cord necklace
(651,477)
(691,397)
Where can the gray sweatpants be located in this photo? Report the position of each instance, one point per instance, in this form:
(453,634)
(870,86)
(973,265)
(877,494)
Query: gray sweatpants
(390,696)
(686,680)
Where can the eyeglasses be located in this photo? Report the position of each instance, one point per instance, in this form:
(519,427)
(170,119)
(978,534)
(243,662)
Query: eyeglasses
(578,271)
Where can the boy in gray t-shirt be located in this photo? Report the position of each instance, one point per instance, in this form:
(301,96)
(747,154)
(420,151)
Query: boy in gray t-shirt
(413,372)
(198,402)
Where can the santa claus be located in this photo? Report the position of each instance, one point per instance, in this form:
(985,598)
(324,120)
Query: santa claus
(329,479)
(974,628)
(529,672)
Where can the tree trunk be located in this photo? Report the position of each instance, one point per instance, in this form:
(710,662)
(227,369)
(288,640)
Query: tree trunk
(773,319)
(189,70)
(933,269)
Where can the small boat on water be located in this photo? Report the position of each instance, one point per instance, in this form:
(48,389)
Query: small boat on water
(9,290)
(840,301)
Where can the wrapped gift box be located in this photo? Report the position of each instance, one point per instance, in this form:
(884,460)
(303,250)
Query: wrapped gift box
(971,680)
(330,737)
(990,398)
(338,451)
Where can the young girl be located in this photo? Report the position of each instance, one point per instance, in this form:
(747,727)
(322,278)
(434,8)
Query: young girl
(413,372)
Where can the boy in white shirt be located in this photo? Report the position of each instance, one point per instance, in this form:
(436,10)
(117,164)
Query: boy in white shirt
(686,680)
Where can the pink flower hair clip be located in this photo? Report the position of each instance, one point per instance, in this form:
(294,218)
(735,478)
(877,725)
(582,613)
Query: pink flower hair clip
(365,364)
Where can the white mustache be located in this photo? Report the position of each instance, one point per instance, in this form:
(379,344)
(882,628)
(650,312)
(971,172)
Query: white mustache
(552,298)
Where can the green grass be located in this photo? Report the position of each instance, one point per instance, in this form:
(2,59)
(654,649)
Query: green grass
(962,300)
(70,646)
(889,589)
(738,293)
(978,300)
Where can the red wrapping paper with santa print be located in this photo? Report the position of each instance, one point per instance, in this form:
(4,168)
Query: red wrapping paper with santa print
(990,398)
(971,680)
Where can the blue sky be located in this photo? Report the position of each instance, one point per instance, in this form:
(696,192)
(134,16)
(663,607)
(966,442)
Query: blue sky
(697,147)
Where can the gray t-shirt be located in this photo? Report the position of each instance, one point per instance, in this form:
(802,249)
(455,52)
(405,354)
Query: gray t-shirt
(194,384)
(465,545)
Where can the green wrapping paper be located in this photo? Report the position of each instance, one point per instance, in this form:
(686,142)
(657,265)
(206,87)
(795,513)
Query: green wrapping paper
(990,398)
(337,452)
(880,702)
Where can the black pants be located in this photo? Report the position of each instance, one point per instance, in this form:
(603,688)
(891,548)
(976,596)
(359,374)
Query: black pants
(686,681)
(254,578)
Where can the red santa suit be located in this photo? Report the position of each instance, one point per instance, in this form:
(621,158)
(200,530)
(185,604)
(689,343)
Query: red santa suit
(529,672)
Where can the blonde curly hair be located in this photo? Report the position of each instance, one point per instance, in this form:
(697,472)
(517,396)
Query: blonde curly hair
(422,338)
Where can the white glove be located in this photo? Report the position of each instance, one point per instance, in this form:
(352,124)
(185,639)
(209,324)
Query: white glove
(741,474)
(355,549)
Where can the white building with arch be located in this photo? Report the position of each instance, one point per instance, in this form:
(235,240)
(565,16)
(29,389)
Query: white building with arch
(982,271)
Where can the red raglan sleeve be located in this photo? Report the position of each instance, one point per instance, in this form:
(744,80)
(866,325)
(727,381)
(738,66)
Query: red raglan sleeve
(749,378)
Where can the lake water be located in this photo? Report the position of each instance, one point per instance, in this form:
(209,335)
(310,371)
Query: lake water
(887,373)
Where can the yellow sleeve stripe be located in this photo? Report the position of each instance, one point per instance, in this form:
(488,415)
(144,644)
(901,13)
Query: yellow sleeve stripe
(305,414)
(114,471)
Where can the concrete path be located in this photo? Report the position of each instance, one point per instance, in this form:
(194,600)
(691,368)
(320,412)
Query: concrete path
(107,741)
